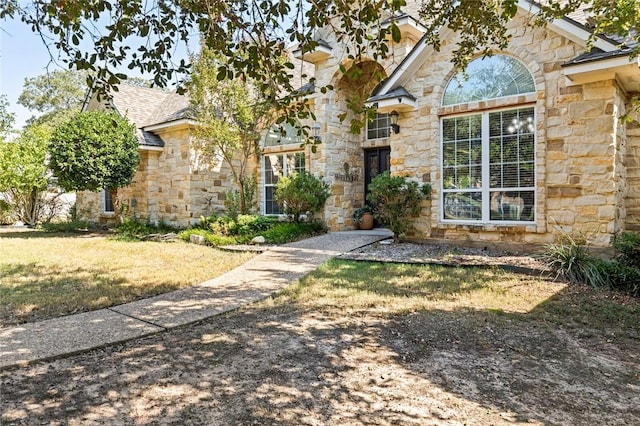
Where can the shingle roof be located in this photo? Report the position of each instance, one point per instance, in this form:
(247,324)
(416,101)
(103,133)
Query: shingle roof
(145,106)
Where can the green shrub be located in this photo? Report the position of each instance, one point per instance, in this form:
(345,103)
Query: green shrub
(395,199)
(211,239)
(68,226)
(627,246)
(233,201)
(135,230)
(570,259)
(286,232)
(621,276)
(6,213)
(300,193)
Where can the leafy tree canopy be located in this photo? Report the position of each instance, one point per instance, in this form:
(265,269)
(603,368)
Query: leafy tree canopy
(253,36)
(24,176)
(94,150)
(55,95)
(7,118)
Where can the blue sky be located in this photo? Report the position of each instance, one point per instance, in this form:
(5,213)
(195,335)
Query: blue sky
(22,54)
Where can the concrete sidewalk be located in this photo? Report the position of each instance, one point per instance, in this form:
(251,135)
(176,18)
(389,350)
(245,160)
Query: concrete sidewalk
(261,276)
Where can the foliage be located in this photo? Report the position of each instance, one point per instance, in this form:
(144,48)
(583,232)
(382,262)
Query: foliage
(254,36)
(6,213)
(135,230)
(68,226)
(94,150)
(571,260)
(231,114)
(285,232)
(620,276)
(56,95)
(301,192)
(233,198)
(395,199)
(627,246)
(224,230)
(211,238)
(25,178)
(7,119)
(357,213)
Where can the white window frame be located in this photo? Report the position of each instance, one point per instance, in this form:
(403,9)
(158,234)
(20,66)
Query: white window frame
(103,203)
(485,188)
(285,172)
(383,121)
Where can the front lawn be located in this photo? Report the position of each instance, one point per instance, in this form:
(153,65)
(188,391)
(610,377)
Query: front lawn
(45,275)
(358,343)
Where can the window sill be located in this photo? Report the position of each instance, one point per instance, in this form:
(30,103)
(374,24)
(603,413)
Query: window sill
(281,148)
(489,104)
(490,227)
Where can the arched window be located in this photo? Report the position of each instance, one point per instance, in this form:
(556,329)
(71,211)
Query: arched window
(283,134)
(488,156)
(488,78)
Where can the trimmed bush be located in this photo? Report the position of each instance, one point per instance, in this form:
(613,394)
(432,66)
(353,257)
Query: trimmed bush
(395,199)
(300,193)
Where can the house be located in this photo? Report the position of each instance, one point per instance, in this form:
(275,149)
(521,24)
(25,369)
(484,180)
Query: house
(530,146)
(172,184)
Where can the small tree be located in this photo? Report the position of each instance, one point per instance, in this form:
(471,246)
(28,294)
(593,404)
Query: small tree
(301,192)
(93,151)
(24,176)
(230,116)
(395,199)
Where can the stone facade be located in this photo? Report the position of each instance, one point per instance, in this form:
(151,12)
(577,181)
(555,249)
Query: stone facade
(587,159)
(171,185)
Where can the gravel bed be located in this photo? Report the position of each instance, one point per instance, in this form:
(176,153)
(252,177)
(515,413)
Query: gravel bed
(404,252)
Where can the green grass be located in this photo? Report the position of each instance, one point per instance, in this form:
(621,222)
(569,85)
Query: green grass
(45,275)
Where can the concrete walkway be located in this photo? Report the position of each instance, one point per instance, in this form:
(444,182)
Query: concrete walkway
(258,278)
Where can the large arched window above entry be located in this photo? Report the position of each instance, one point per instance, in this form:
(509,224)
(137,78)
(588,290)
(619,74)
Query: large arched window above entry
(488,78)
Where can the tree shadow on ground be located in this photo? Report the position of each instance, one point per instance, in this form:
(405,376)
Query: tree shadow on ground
(572,360)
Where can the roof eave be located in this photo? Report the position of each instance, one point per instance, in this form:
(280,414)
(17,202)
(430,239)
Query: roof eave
(621,68)
(171,125)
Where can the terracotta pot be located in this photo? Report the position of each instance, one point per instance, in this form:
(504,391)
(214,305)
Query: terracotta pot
(366,221)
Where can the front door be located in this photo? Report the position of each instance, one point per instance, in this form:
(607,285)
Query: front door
(376,161)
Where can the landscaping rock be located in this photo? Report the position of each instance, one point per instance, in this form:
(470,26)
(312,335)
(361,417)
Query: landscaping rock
(197,239)
(258,240)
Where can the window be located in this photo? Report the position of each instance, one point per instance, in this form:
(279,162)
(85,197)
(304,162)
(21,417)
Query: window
(283,134)
(492,77)
(277,165)
(378,127)
(488,163)
(488,157)
(107,201)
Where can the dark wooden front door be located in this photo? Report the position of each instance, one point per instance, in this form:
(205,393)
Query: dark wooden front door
(376,161)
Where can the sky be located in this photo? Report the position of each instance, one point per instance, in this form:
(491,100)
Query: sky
(22,55)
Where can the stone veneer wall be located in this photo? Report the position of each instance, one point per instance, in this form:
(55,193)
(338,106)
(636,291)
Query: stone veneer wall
(168,186)
(339,146)
(580,146)
(632,166)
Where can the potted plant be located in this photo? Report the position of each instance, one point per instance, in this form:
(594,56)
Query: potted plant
(363,217)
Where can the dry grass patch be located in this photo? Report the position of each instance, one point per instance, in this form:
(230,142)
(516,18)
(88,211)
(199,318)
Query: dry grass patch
(49,276)
(400,288)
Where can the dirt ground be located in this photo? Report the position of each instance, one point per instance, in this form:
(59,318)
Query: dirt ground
(278,363)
